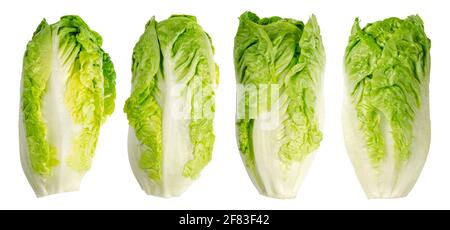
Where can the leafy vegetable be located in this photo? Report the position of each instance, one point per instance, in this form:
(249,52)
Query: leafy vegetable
(386,110)
(171,107)
(68,89)
(279,66)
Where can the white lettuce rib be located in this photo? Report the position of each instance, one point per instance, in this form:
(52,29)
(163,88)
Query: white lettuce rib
(278,179)
(387,181)
(135,148)
(177,147)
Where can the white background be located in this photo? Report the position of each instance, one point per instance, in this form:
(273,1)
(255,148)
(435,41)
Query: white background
(224,184)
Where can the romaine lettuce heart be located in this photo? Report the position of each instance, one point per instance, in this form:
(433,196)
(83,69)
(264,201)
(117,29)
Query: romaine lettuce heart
(279,66)
(171,106)
(386,111)
(68,89)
